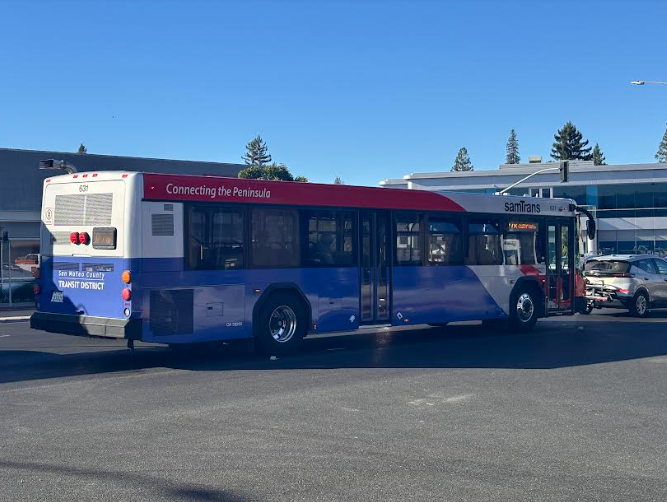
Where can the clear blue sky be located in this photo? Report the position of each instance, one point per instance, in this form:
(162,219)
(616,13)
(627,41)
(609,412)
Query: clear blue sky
(362,89)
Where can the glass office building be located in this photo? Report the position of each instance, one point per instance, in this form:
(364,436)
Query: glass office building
(629,201)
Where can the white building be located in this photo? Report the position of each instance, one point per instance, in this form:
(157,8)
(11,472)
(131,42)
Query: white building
(629,201)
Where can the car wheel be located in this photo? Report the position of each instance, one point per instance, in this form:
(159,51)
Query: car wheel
(639,305)
(281,325)
(524,309)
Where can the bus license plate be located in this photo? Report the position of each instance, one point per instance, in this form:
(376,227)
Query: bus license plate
(57,297)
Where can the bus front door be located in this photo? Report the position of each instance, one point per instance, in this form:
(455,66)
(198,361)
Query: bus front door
(375,260)
(559,285)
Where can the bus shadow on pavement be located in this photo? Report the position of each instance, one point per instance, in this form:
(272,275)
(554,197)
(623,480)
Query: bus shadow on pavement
(551,345)
(162,488)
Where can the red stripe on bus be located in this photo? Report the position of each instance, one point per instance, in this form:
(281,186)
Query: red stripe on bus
(214,189)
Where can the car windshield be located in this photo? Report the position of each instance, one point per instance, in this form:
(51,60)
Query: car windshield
(607,266)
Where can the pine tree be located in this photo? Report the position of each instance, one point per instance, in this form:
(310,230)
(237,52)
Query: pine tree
(569,144)
(82,149)
(661,154)
(597,156)
(462,161)
(338,181)
(512,149)
(257,153)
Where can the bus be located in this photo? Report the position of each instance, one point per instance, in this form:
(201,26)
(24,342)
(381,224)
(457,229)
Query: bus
(179,259)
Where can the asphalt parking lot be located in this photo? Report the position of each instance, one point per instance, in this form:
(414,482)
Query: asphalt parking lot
(575,410)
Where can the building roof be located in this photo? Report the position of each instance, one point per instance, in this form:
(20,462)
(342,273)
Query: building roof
(21,179)
(581,173)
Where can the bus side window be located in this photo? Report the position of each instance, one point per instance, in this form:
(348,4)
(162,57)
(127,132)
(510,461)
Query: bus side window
(275,238)
(522,242)
(445,242)
(484,240)
(408,250)
(214,239)
(330,238)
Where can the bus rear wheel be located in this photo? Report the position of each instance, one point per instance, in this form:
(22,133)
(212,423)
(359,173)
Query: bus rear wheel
(524,309)
(282,325)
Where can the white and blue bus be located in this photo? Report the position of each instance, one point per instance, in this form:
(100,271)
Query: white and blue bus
(187,259)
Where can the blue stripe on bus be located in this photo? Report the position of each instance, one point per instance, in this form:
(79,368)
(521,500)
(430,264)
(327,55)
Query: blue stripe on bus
(420,294)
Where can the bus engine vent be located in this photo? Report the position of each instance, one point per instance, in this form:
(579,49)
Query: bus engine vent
(162,225)
(83,209)
(171,312)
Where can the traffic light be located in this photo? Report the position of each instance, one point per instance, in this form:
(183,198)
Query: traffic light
(564,171)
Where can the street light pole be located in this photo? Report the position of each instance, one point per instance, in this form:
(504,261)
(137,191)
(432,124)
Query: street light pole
(651,82)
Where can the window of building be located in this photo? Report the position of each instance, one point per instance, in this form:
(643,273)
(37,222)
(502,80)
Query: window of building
(576,192)
(214,238)
(275,238)
(445,242)
(644,202)
(330,238)
(522,243)
(484,243)
(408,250)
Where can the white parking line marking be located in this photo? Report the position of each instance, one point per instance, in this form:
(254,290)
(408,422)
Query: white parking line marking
(4,336)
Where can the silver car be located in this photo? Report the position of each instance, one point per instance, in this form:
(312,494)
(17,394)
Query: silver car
(633,282)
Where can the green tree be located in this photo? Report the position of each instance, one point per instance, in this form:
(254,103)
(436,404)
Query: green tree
(597,156)
(338,181)
(252,173)
(257,153)
(512,149)
(278,172)
(569,144)
(272,172)
(462,161)
(661,154)
(82,149)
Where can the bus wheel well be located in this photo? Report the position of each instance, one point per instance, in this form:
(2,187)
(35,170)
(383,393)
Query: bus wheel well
(288,288)
(529,283)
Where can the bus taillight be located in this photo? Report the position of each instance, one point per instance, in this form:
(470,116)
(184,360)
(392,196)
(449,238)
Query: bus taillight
(126,294)
(84,238)
(126,277)
(74,237)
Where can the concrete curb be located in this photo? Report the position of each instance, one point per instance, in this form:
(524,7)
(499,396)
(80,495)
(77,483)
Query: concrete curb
(6,320)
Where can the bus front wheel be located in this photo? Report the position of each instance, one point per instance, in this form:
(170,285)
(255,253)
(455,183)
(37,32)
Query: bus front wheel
(282,325)
(524,309)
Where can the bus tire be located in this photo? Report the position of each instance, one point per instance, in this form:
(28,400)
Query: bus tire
(281,324)
(639,305)
(524,308)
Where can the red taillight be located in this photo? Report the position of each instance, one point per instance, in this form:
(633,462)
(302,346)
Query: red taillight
(126,294)
(84,238)
(621,290)
(74,237)
(36,289)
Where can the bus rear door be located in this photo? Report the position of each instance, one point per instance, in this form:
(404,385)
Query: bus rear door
(375,260)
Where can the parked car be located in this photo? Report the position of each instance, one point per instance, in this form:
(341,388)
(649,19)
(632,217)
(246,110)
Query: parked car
(633,282)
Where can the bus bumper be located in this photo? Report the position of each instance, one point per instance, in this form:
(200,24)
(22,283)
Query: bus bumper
(85,325)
